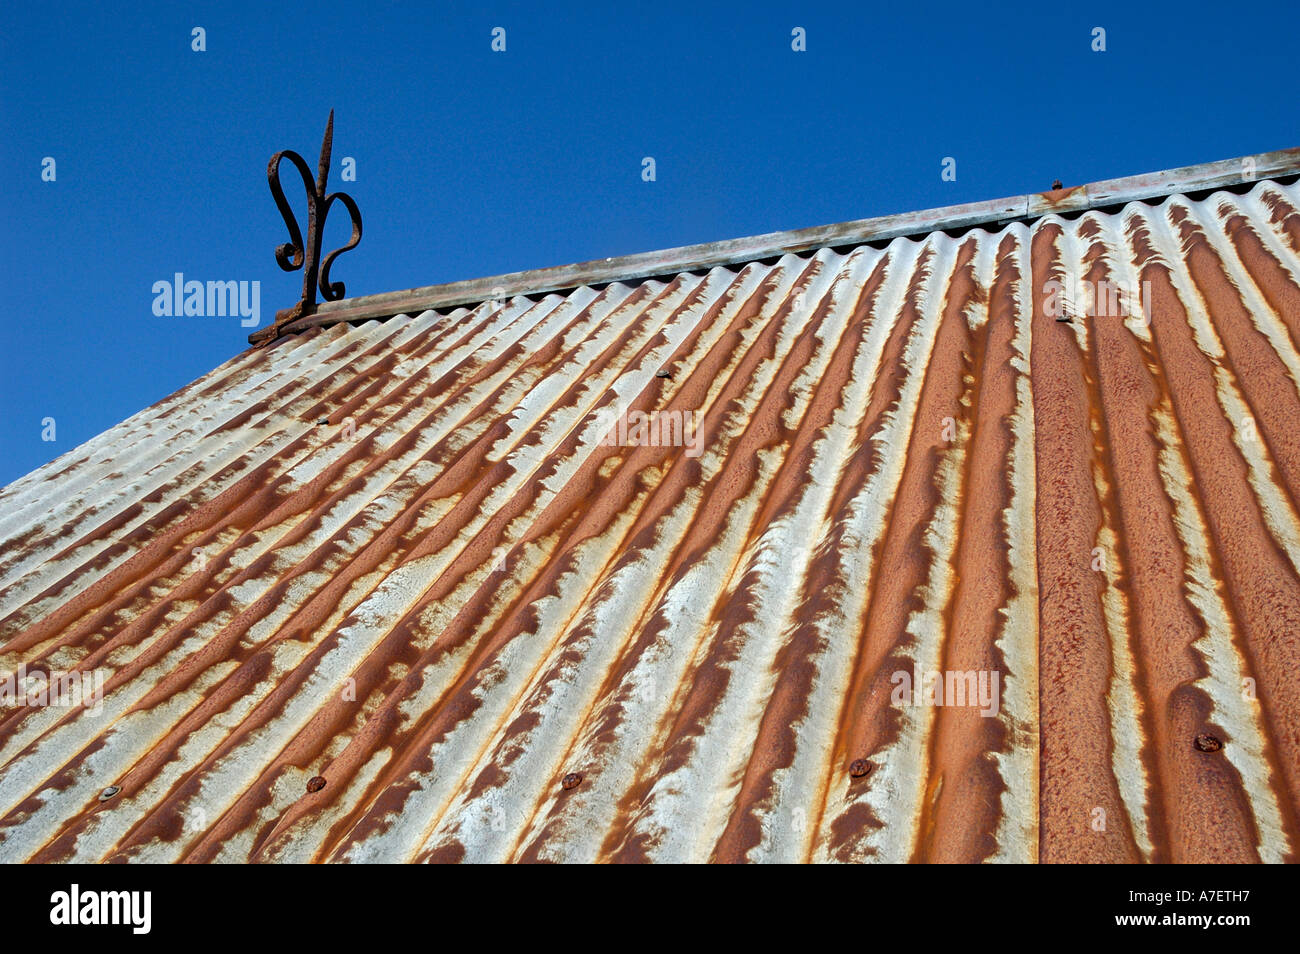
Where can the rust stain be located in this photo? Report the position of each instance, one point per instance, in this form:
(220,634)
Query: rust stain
(1057,195)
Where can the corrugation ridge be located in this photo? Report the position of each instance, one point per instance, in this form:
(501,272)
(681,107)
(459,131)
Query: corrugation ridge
(1076,765)
(1127,739)
(1017,835)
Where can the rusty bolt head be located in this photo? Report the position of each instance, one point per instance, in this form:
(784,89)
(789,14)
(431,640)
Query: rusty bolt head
(572,780)
(109,792)
(315,783)
(860,768)
(1208,743)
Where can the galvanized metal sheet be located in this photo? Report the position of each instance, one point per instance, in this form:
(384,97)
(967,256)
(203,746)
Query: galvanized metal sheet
(498,589)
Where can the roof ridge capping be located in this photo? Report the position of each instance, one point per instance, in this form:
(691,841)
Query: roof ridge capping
(1210,175)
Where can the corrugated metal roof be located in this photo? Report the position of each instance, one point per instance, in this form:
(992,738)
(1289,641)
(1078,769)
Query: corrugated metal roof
(399,556)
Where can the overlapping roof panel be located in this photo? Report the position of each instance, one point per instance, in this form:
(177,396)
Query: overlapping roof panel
(407,558)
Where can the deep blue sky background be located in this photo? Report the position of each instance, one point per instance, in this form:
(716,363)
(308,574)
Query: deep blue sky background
(473,163)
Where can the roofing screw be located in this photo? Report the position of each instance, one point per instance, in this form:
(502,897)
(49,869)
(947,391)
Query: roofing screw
(315,783)
(1056,184)
(663,373)
(323,420)
(109,792)
(860,768)
(572,780)
(1208,743)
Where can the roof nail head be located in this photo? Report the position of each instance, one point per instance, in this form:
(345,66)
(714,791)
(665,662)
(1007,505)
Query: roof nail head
(109,792)
(315,783)
(1208,743)
(571,781)
(860,768)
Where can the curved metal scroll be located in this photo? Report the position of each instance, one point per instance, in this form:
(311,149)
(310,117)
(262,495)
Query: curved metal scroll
(296,254)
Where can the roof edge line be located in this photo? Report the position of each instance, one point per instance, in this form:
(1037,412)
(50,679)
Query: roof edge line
(642,265)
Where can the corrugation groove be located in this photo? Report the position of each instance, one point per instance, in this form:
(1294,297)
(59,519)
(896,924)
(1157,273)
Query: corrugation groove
(443,561)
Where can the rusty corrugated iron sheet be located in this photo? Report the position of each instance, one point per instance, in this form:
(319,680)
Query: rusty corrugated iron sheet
(403,561)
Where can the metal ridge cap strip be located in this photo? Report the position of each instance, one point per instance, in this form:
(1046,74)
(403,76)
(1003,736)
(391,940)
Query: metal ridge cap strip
(643,265)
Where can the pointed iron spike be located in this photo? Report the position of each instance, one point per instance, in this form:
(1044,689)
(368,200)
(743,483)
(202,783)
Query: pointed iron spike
(326,146)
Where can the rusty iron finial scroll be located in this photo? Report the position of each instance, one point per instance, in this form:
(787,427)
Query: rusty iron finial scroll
(294,254)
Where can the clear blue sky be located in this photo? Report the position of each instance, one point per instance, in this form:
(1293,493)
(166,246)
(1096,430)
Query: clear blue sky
(473,163)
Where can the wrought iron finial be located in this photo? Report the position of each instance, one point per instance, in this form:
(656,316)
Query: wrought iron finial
(294,254)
